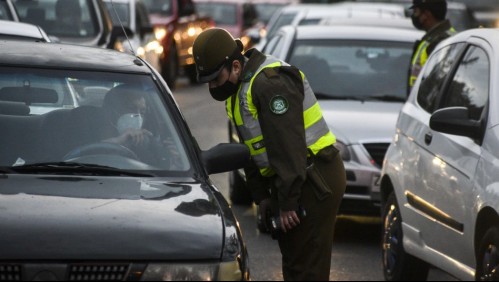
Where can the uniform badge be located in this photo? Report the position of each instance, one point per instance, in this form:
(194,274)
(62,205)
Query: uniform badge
(279,105)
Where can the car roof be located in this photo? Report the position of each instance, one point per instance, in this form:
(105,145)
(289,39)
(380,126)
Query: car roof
(60,56)
(404,23)
(489,34)
(22,30)
(353,8)
(357,32)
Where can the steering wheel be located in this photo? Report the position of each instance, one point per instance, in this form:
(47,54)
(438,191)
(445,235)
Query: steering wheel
(101,148)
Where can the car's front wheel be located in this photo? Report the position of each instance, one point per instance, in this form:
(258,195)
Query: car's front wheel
(397,264)
(488,256)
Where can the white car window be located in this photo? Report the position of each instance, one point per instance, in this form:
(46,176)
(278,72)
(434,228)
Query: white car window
(433,76)
(470,86)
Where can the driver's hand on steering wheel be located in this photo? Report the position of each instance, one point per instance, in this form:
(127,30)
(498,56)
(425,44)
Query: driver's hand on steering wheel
(134,137)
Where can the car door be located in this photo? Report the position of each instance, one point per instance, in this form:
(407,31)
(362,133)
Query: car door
(447,163)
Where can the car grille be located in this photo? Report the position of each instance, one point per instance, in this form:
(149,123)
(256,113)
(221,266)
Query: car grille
(377,152)
(73,272)
(97,272)
(10,272)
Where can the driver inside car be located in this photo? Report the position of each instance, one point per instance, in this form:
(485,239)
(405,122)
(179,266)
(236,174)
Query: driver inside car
(126,108)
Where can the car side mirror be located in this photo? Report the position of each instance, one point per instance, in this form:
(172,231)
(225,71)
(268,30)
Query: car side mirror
(119,32)
(456,121)
(225,157)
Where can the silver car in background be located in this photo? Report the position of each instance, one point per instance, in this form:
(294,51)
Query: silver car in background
(359,75)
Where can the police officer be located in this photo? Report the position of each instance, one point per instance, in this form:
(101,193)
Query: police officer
(428,15)
(296,167)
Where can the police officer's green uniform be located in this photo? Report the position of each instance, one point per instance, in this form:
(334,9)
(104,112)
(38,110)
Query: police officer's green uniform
(279,119)
(424,47)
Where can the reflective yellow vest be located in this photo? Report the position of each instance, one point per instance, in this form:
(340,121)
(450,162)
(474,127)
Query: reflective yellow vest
(420,57)
(245,118)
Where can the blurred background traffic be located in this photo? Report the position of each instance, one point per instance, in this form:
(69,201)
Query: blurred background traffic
(162,31)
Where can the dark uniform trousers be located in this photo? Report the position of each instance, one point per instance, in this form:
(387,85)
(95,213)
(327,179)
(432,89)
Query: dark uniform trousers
(306,249)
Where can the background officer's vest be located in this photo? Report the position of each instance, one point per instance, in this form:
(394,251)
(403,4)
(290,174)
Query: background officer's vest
(243,113)
(420,58)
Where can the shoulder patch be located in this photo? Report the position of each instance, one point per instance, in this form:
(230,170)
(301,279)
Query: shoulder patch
(279,105)
(270,72)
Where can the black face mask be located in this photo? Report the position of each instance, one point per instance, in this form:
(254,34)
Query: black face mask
(417,24)
(224,91)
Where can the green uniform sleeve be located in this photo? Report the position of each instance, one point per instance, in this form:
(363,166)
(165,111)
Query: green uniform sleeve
(283,130)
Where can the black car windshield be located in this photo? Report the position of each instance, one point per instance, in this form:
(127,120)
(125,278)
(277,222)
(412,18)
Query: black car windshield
(119,121)
(61,18)
(366,69)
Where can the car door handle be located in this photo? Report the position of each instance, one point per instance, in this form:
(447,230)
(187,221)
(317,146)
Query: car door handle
(427,138)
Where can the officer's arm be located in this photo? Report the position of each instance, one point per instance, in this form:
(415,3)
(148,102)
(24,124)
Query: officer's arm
(278,95)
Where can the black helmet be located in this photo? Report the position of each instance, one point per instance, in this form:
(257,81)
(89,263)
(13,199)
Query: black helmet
(212,49)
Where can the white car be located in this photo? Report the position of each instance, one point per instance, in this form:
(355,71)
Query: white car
(359,75)
(311,14)
(133,15)
(22,31)
(440,176)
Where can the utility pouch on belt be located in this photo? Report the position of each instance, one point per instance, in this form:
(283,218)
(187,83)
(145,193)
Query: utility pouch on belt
(321,189)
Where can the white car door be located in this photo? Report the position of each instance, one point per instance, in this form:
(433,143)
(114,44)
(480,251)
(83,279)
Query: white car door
(447,163)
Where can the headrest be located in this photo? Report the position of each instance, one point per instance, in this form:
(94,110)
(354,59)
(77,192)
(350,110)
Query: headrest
(13,108)
(28,95)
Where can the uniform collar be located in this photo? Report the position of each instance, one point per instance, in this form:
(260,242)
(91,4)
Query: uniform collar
(437,30)
(254,59)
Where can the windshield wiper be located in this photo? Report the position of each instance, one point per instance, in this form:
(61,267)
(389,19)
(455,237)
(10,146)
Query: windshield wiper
(324,96)
(388,98)
(75,168)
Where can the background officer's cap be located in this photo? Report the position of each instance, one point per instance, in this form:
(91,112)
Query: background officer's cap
(426,3)
(211,50)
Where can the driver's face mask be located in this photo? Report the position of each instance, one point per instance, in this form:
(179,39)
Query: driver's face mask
(129,121)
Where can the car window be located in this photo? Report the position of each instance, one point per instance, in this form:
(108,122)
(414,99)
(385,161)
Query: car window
(266,10)
(163,7)
(4,11)
(282,20)
(222,13)
(118,120)
(271,46)
(120,13)
(362,69)
(434,74)
(470,85)
(62,18)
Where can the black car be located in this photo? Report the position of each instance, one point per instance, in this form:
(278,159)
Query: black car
(82,22)
(111,186)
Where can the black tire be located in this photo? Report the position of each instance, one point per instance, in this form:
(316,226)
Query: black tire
(487,268)
(238,192)
(397,264)
(170,68)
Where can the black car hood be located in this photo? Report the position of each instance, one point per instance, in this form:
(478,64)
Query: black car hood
(52,218)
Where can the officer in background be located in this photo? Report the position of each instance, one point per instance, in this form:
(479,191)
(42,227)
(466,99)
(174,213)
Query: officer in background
(428,15)
(296,167)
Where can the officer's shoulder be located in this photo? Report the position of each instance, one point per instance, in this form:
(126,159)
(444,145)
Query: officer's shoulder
(270,72)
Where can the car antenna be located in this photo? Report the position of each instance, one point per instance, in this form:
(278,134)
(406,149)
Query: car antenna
(123,28)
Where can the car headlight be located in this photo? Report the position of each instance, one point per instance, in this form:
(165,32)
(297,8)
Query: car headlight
(226,271)
(160,33)
(344,150)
